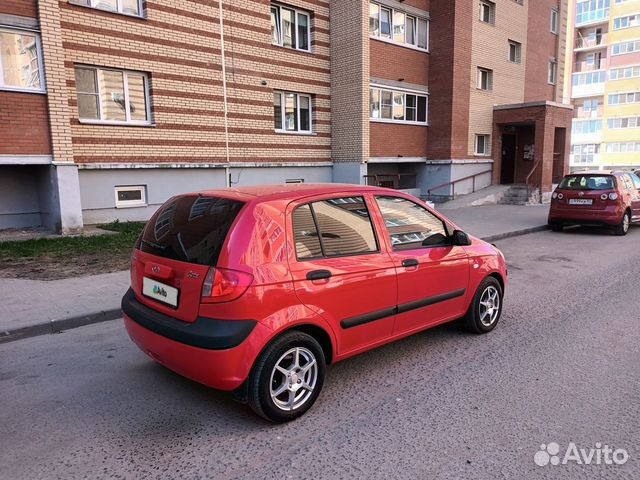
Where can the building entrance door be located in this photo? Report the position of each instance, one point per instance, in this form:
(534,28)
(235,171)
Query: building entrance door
(507,174)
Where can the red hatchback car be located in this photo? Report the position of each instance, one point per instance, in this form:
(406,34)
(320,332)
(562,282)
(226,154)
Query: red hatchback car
(254,290)
(596,198)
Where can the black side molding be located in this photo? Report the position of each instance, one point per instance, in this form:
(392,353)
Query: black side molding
(405,307)
(207,333)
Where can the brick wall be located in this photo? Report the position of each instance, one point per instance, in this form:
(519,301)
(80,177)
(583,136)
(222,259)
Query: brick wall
(393,62)
(178,46)
(449,83)
(397,140)
(24,8)
(24,124)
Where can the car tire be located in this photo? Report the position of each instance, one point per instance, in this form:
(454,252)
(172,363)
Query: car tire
(556,227)
(623,227)
(486,307)
(277,370)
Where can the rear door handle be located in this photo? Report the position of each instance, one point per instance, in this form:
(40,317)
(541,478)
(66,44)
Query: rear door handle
(410,262)
(318,275)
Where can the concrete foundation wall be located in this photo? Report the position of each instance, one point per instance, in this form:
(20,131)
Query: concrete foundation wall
(97,186)
(19,200)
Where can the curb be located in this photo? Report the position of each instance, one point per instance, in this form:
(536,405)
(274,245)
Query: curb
(516,233)
(57,326)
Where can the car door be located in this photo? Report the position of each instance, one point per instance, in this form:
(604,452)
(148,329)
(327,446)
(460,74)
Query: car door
(341,270)
(433,275)
(635,196)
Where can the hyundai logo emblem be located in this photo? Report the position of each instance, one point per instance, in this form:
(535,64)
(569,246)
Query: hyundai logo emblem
(155,269)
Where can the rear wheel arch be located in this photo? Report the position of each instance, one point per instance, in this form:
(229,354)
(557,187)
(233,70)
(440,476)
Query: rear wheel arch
(319,334)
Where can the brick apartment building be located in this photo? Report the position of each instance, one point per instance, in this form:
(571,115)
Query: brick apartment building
(109,107)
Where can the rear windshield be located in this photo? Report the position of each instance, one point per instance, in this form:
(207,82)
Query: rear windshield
(588,182)
(190,229)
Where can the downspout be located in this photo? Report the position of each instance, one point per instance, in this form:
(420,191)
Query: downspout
(227,171)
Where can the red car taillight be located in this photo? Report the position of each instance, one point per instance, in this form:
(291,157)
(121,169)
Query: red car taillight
(222,285)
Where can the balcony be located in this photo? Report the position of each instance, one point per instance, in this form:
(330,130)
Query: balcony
(590,42)
(588,84)
(586,114)
(580,67)
(584,159)
(592,17)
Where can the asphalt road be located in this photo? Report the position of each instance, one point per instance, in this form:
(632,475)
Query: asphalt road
(563,366)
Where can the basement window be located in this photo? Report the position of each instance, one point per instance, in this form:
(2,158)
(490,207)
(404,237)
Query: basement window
(131,196)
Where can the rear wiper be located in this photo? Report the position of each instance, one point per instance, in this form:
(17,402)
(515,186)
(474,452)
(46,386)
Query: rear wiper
(154,245)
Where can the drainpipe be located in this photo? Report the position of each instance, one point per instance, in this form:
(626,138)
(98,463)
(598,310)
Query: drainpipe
(227,171)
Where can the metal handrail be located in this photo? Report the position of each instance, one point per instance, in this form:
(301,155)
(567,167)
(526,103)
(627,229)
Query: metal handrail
(528,179)
(453,183)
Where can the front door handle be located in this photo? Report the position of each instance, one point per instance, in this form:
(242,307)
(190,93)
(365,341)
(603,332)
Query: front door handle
(318,275)
(410,262)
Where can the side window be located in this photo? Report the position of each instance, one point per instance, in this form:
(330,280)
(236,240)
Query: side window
(636,181)
(334,227)
(305,234)
(411,226)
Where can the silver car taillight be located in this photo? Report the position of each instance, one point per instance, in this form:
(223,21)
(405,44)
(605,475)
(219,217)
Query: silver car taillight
(604,196)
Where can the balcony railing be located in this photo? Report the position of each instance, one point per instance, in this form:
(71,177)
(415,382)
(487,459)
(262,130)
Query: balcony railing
(592,16)
(581,67)
(585,114)
(591,42)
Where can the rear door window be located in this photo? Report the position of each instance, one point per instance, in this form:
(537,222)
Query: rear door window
(411,226)
(332,228)
(190,229)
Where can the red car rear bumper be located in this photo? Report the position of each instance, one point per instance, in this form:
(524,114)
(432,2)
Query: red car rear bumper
(221,368)
(576,215)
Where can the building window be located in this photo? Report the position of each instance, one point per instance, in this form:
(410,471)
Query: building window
(128,7)
(622,98)
(485,79)
(623,122)
(592,10)
(290,28)
(131,196)
(487,12)
(112,96)
(397,106)
(553,72)
(483,145)
(398,26)
(20,61)
(515,51)
(626,22)
(554,21)
(584,127)
(586,153)
(625,47)
(292,112)
(624,73)
(589,78)
(623,147)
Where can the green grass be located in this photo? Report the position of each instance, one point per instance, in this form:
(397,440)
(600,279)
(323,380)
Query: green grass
(68,247)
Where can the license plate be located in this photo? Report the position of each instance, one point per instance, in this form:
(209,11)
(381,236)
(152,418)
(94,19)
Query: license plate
(580,201)
(159,291)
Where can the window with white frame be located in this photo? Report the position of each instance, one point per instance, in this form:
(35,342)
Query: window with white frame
(624,73)
(487,12)
(483,144)
(112,96)
(623,122)
(623,147)
(622,98)
(485,79)
(127,7)
(290,28)
(397,106)
(20,61)
(292,112)
(625,47)
(398,26)
(585,153)
(553,71)
(131,196)
(554,21)
(515,51)
(626,22)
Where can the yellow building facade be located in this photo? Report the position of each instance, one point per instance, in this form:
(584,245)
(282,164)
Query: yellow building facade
(605,84)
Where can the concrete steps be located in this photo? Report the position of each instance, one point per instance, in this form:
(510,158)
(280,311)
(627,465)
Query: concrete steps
(516,195)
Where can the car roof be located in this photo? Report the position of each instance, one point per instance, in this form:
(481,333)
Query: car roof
(289,190)
(594,172)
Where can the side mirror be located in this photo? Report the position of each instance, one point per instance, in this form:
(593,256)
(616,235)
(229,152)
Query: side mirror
(461,239)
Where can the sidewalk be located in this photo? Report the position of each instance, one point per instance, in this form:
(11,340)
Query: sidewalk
(33,307)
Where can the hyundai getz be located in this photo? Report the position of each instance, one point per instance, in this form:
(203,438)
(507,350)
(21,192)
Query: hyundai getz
(255,290)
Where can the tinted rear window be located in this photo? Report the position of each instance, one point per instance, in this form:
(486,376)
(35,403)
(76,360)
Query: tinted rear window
(190,229)
(588,182)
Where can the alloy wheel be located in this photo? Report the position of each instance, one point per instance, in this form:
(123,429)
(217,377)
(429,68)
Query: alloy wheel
(293,378)
(489,306)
